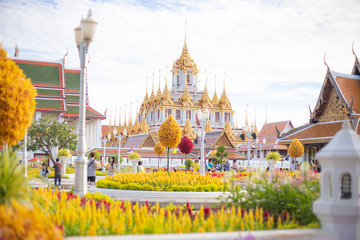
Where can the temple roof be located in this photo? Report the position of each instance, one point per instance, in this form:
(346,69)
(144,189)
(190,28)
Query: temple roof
(185,62)
(228,130)
(136,127)
(188,130)
(269,129)
(144,127)
(186,99)
(321,132)
(139,141)
(205,100)
(224,100)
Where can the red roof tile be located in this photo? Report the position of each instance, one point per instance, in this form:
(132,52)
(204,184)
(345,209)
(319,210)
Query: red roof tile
(269,130)
(350,89)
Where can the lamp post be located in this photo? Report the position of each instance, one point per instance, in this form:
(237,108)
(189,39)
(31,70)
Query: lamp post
(248,130)
(204,117)
(119,139)
(25,154)
(260,142)
(104,158)
(84,35)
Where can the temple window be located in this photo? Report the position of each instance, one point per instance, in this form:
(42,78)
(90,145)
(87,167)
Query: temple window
(188,78)
(177,114)
(168,112)
(217,117)
(178,80)
(227,116)
(188,114)
(346,186)
(158,114)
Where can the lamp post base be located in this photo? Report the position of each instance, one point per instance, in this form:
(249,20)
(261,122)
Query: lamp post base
(80,176)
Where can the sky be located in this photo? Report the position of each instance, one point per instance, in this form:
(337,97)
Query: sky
(272,52)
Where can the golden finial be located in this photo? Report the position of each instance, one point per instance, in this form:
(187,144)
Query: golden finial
(125,125)
(246,116)
(152,90)
(228,130)
(208,127)
(185,33)
(236,119)
(266,114)
(159,78)
(255,127)
(224,81)
(115,118)
(224,100)
(186,98)
(146,85)
(188,130)
(119,117)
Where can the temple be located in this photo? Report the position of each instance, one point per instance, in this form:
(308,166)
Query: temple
(183,99)
(58,94)
(337,103)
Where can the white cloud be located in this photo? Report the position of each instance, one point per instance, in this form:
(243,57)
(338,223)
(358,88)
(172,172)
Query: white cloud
(272,51)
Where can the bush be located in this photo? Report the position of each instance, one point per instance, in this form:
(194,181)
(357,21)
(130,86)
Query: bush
(63,153)
(116,158)
(296,197)
(12,178)
(188,163)
(97,156)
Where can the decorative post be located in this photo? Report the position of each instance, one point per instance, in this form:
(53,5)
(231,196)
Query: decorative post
(25,154)
(339,205)
(83,37)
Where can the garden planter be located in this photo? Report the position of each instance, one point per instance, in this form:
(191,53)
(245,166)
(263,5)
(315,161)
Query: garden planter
(134,164)
(63,160)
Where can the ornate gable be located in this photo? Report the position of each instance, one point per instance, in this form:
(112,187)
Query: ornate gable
(224,101)
(148,142)
(229,130)
(136,127)
(166,98)
(224,140)
(185,62)
(144,127)
(329,106)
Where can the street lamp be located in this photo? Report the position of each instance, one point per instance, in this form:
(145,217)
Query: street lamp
(84,35)
(248,130)
(25,153)
(119,139)
(204,117)
(260,142)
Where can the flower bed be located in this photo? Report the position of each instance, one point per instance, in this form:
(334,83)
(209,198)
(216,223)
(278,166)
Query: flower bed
(162,181)
(36,174)
(78,216)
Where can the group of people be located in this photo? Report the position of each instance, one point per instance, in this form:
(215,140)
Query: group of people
(45,172)
(215,166)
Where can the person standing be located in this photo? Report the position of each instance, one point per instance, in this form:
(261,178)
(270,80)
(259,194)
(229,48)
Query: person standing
(140,167)
(196,166)
(44,172)
(112,167)
(91,169)
(57,177)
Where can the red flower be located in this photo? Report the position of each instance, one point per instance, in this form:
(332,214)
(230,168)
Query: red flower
(186,145)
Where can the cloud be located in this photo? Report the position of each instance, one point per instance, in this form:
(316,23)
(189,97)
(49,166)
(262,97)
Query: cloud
(272,51)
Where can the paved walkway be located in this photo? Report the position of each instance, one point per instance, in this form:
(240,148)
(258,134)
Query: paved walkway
(164,198)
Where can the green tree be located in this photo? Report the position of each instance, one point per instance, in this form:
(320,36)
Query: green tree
(221,153)
(47,133)
(273,156)
(116,158)
(188,163)
(97,156)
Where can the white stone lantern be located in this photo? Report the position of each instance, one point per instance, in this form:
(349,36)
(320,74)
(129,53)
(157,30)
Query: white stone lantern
(339,206)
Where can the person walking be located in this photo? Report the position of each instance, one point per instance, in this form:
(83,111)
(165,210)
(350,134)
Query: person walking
(112,167)
(57,177)
(44,172)
(91,169)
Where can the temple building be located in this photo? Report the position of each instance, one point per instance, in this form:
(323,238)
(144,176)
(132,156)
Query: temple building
(58,94)
(183,99)
(338,101)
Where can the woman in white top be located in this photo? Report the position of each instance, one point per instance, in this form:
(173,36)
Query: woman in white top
(112,167)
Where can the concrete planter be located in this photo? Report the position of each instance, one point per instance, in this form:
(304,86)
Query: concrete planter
(63,160)
(134,163)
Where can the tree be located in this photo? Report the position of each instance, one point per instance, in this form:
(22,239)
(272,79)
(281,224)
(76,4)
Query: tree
(169,135)
(47,133)
(186,145)
(116,158)
(188,163)
(17,101)
(134,155)
(97,156)
(220,153)
(296,149)
(159,149)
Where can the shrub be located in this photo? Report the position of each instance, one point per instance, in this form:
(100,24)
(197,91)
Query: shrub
(188,163)
(97,156)
(63,153)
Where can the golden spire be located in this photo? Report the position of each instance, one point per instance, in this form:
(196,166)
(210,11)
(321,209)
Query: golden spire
(152,96)
(224,100)
(266,114)
(208,127)
(188,130)
(255,127)
(205,100)
(130,125)
(215,99)
(146,98)
(136,127)
(120,128)
(229,130)
(186,98)
(159,94)
(125,125)
(144,127)
(246,116)
(185,62)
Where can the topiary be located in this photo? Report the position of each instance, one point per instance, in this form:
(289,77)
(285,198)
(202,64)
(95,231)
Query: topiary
(188,163)
(63,153)
(97,155)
